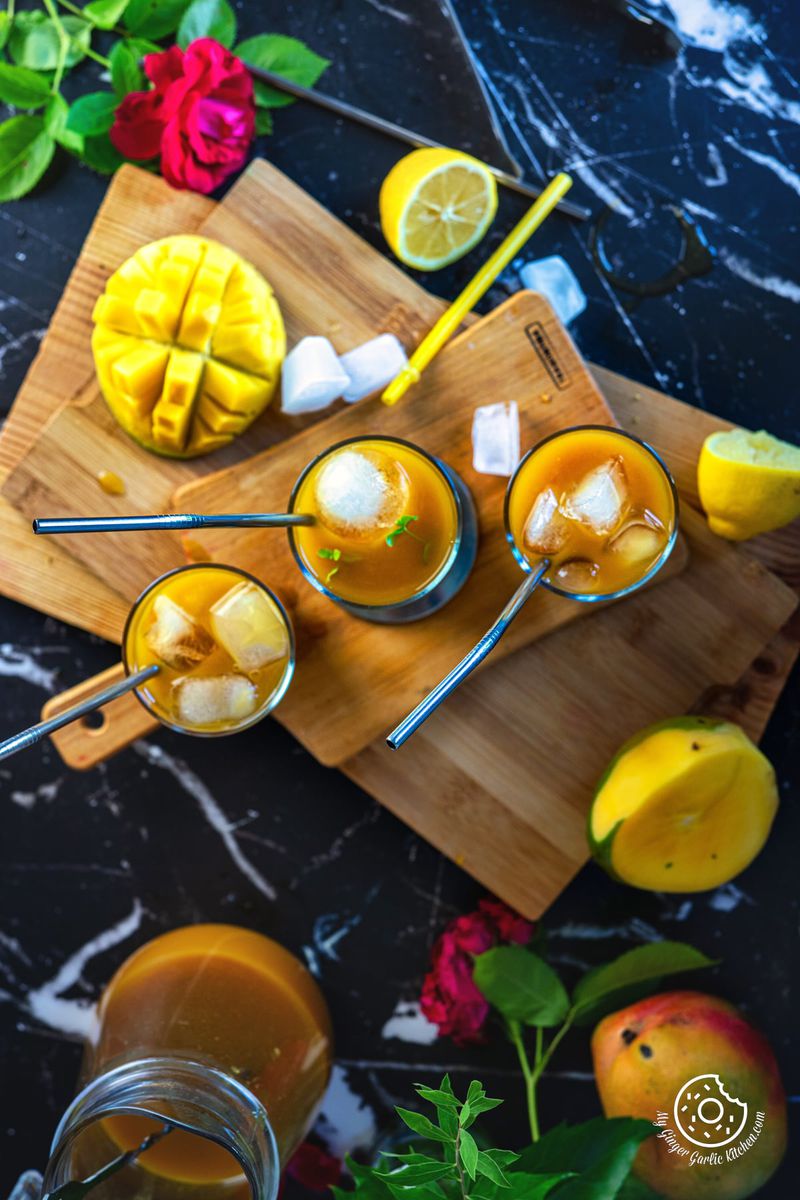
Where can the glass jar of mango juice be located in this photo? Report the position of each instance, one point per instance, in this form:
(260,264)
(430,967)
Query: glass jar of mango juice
(217,1035)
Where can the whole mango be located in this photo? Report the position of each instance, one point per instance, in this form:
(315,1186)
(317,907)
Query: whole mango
(684,806)
(691,1063)
(188,345)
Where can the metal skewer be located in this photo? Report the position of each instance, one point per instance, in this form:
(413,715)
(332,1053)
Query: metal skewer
(401,134)
(170,521)
(29,737)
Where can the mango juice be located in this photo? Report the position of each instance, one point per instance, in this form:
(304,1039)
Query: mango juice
(387,522)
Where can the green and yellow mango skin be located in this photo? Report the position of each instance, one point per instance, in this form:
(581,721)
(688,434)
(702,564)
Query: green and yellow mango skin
(684,806)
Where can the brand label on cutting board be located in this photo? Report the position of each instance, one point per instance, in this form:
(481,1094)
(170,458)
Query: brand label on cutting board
(544,348)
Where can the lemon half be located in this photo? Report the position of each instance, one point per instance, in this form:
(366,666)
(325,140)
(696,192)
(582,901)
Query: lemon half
(435,205)
(749,483)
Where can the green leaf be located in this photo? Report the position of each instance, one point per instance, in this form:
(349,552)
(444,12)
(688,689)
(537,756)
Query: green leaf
(422,1125)
(93,113)
(80,33)
(26,149)
(435,1095)
(284,56)
(5,28)
(600,1151)
(33,42)
(141,46)
(22,87)
(521,986)
(55,122)
(126,74)
(154,18)
(468,1153)
(521,1186)
(105,13)
(264,124)
(635,1189)
(99,154)
(207,18)
(426,1172)
(643,964)
(367,1184)
(486,1166)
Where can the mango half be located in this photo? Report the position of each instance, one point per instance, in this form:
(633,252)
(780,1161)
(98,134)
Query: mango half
(188,345)
(684,806)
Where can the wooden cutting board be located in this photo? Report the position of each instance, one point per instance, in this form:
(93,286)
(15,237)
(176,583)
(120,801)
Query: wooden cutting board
(520,832)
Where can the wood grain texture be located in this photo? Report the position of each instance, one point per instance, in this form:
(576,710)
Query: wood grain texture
(474,781)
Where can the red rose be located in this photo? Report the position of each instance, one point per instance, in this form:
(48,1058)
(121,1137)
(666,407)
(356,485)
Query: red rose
(449,997)
(199,115)
(314,1168)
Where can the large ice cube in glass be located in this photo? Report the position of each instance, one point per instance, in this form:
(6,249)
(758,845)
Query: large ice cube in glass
(546,529)
(175,638)
(495,438)
(214,699)
(360,493)
(555,279)
(637,543)
(247,624)
(600,499)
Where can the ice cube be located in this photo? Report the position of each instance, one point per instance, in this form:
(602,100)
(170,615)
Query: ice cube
(637,542)
(372,365)
(556,280)
(247,624)
(495,438)
(546,529)
(175,638)
(312,377)
(360,493)
(599,500)
(577,575)
(212,699)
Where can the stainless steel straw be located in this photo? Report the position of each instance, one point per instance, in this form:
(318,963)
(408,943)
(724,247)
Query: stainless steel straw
(468,664)
(401,134)
(170,521)
(29,737)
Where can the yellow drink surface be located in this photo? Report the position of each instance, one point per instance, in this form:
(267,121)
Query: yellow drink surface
(195,591)
(368,570)
(561,464)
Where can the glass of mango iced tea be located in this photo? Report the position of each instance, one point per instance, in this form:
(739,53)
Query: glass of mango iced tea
(395,531)
(223,643)
(591,513)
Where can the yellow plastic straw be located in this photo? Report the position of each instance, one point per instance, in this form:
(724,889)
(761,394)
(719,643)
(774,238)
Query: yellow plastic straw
(450,320)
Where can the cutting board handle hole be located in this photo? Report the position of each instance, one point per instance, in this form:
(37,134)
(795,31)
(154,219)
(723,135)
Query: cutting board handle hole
(95,722)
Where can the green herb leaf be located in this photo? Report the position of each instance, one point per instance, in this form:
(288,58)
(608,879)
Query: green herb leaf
(521,1186)
(105,13)
(284,56)
(154,18)
(99,154)
(93,113)
(126,74)
(403,526)
(80,34)
(423,1125)
(367,1184)
(436,1096)
(486,1166)
(521,986)
(468,1152)
(207,18)
(424,1172)
(55,122)
(264,122)
(26,149)
(324,552)
(644,964)
(22,87)
(5,28)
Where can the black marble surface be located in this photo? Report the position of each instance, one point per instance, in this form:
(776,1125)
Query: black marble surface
(173,831)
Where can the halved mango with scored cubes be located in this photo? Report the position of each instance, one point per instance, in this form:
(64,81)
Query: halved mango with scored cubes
(188,345)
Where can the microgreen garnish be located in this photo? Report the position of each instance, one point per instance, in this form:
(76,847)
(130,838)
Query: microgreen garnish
(333,556)
(401,527)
